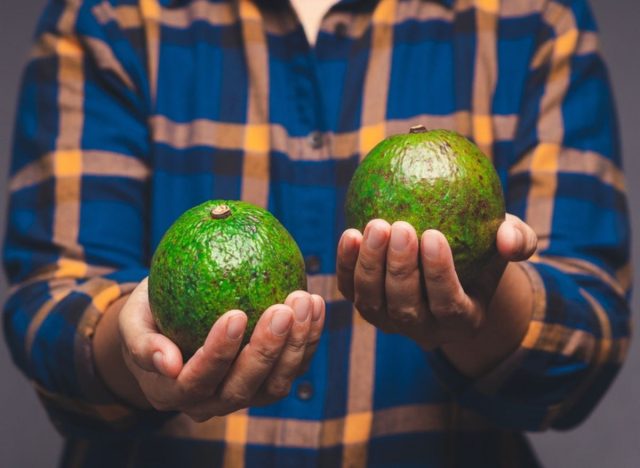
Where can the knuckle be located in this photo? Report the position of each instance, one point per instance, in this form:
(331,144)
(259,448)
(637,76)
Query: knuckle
(296,345)
(368,308)
(278,389)
(375,309)
(404,314)
(136,352)
(399,270)
(435,274)
(238,400)
(368,266)
(266,356)
(200,391)
(450,309)
(313,341)
(224,356)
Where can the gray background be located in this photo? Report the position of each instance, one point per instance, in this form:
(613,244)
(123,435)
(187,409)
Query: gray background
(609,438)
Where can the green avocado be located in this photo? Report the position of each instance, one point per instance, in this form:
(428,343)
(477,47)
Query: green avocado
(433,180)
(218,256)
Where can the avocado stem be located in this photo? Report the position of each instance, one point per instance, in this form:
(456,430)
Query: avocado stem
(418,129)
(220,212)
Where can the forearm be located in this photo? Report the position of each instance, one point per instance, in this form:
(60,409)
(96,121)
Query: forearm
(507,321)
(576,340)
(107,348)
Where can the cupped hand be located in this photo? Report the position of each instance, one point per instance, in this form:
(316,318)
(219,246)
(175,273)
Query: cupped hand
(221,377)
(404,286)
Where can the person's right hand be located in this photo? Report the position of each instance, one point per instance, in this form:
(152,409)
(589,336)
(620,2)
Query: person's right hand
(218,380)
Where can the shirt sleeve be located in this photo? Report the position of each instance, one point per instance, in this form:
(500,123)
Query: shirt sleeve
(77,216)
(566,181)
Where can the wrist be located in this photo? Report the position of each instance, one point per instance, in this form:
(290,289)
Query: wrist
(109,361)
(507,320)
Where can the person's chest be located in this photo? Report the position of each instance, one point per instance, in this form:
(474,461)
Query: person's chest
(246,109)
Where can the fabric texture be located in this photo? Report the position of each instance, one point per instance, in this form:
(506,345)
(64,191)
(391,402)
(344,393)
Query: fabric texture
(133,111)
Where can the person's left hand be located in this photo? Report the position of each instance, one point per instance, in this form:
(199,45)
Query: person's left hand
(380,273)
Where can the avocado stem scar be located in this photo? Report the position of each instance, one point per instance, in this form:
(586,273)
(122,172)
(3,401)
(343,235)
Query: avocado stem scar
(220,212)
(418,129)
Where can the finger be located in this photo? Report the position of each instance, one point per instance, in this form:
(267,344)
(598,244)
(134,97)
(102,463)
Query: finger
(348,249)
(405,301)
(256,360)
(516,240)
(278,383)
(205,370)
(143,345)
(370,272)
(448,303)
(315,333)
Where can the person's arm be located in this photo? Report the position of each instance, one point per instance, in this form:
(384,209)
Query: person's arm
(544,350)
(77,216)
(565,180)
(77,251)
(109,359)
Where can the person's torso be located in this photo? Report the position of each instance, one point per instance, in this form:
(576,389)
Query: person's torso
(245,109)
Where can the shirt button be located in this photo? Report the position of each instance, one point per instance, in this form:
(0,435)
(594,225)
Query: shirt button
(341,29)
(316,140)
(305,391)
(312,263)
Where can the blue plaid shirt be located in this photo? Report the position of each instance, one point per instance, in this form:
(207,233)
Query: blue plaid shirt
(133,111)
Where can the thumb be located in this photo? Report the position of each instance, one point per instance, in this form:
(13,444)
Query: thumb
(146,347)
(516,241)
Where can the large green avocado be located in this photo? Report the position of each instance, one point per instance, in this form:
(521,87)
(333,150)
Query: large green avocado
(433,180)
(218,256)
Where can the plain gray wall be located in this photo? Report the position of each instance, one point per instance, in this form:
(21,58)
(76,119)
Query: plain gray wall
(609,438)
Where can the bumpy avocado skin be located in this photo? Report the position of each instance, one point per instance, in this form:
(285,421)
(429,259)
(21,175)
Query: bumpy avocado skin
(204,267)
(433,180)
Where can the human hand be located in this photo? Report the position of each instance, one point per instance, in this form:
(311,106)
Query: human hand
(404,286)
(220,377)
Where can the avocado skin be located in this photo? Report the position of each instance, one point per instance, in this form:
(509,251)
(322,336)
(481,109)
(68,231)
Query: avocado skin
(433,180)
(204,267)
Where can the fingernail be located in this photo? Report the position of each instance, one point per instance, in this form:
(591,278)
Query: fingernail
(431,248)
(399,239)
(158,361)
(235,326)
(301,308)
(375,237)
(280,322)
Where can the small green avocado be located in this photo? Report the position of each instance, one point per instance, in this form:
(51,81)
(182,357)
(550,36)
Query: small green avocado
(218,256)
(433,180)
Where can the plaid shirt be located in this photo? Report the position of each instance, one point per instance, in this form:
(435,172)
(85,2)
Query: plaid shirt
(133,111)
